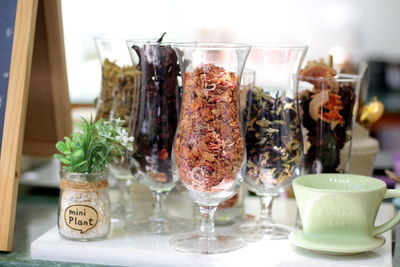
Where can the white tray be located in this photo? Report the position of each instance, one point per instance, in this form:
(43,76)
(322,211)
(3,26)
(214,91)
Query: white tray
(126,249)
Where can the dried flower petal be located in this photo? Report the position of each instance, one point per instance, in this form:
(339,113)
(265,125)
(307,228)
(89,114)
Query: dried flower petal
(209,144)
(326,117)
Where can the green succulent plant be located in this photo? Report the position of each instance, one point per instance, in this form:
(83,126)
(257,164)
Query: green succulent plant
(94,146)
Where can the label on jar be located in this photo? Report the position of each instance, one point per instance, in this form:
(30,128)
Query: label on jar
(81,217)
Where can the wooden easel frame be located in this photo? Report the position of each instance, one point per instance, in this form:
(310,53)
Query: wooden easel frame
(20,88)
(49,109)
(14,121)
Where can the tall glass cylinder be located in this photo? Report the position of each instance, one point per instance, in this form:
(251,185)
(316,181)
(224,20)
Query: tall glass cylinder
(153,128)
(209,152)
(119,86)
(273,133)
(328,102)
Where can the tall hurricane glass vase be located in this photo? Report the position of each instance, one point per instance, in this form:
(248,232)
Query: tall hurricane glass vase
(119,85)
(272,131)
(153,128)
(209,149)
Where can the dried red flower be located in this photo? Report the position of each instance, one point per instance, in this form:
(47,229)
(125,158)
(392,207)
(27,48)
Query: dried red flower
(163,154)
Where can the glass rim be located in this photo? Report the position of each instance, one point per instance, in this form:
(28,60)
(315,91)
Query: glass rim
(139,40)
(153,41)
(340,77)
(277,45)
(212,45)
(105,38)
(300,182)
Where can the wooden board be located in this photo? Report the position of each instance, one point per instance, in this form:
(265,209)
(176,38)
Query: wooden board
(35,61)
(49,112)
(7,22)
(15,111)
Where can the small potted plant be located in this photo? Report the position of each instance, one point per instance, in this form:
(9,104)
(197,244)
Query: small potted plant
(84,205)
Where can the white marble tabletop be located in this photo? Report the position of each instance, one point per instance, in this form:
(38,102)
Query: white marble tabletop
(126,249)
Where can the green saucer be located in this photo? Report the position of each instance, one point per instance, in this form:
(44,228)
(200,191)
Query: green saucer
(335,245)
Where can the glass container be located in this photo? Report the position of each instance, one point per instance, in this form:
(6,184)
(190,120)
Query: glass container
(117,99)
(273,132)
(328,107)
(209,152)
(84,206)
(153,128)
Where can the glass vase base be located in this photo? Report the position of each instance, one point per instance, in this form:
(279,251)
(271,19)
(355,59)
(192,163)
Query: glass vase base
(256,232)
(117,212)
(172,225)
(195,243)
(122,213)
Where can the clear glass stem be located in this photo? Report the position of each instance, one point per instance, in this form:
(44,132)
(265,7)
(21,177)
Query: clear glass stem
(207,228)
(266,221)
(123,193)
(159,209)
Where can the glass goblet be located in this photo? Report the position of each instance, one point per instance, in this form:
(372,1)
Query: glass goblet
(272,131)
(209,152)
(153,125)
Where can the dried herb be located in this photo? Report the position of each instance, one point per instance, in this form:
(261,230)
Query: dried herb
(156,119)
(327,115)
(273,137)
(118,91)
(161,38)
(209,144)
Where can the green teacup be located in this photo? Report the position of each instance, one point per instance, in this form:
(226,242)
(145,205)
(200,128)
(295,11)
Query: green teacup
(339,208)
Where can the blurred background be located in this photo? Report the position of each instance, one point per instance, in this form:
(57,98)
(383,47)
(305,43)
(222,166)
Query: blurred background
(353,31)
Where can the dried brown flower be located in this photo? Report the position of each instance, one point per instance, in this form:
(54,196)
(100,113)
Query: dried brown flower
(209,144)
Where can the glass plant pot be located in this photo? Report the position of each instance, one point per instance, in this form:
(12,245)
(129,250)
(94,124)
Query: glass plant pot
(84,206)
(118,98)
(209,151)
(153,127)
(329,106)
(273,133)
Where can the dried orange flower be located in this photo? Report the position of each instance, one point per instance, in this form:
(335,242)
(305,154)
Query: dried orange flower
(326,117)
(325,94)
(320,75)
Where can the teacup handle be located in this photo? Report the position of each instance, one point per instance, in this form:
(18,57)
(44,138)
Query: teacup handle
(390,193)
